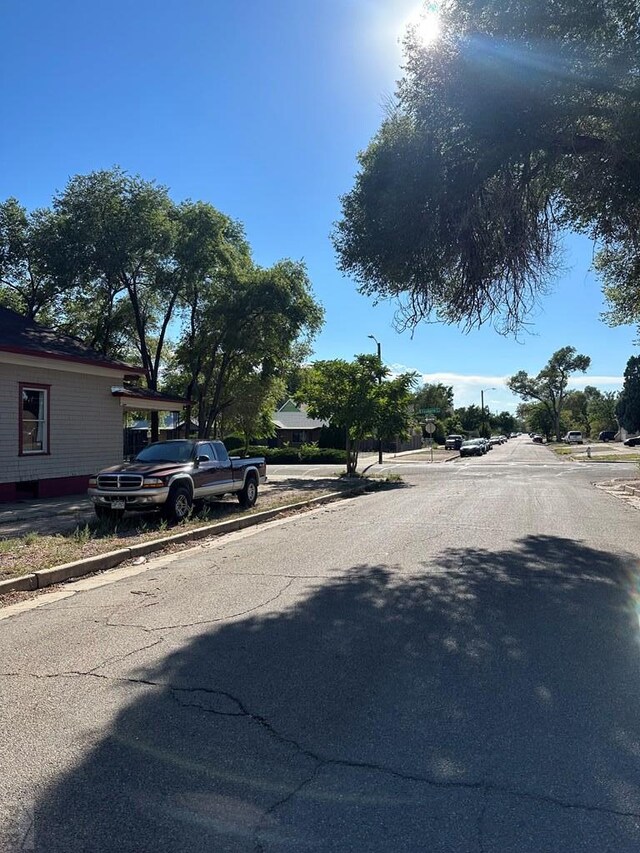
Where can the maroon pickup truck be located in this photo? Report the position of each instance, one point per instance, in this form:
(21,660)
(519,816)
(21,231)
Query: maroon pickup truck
(172,476)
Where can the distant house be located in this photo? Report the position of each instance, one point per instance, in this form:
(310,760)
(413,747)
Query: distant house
(293,426)
(61,409)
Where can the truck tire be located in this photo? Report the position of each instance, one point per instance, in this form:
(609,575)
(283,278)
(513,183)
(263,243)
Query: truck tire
(105,513)
(249,494)
(178,505)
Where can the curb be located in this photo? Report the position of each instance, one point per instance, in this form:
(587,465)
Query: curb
(111,559)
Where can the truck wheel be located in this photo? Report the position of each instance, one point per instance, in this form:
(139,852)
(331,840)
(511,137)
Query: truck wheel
(249,494)
(178,505)
(105,513)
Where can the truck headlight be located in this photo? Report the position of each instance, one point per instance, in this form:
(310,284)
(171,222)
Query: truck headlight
(153,483)
(93,482)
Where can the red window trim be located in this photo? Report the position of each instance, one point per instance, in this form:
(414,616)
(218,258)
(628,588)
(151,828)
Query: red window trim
(36,387)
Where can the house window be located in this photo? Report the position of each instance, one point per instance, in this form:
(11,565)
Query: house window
(296,438)
(34,419)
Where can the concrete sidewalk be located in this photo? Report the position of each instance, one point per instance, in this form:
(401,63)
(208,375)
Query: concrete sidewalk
(44,508)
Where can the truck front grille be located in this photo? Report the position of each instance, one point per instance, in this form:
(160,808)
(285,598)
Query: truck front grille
(122,482)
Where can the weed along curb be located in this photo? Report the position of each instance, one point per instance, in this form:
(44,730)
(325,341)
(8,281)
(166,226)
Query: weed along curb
(111,559)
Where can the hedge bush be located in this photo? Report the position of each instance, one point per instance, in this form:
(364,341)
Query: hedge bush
(307,454)
(234,442)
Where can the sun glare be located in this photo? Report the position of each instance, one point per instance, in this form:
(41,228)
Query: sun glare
(425,23)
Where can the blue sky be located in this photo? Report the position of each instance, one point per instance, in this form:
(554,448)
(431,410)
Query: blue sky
(260,108)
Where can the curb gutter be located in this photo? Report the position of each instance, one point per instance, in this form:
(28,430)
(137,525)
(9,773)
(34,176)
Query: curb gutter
(111,559)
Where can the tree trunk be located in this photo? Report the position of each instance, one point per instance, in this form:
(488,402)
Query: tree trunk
(347,444)
(155,426)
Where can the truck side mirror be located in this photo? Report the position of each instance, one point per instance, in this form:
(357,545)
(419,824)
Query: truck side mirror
(202,459)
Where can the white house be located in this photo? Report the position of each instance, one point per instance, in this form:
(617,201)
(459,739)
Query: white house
(61,410)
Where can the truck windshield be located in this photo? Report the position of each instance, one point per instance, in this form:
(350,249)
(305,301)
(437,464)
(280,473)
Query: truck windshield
(166,451)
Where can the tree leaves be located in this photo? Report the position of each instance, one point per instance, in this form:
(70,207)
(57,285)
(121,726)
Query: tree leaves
(522,120)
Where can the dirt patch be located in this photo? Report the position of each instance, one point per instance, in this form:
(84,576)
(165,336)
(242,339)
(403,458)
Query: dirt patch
(20,555)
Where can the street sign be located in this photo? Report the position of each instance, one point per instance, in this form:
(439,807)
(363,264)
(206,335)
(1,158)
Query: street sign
(432,411)
(430,426)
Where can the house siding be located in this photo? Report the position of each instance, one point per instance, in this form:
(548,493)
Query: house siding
(85,429)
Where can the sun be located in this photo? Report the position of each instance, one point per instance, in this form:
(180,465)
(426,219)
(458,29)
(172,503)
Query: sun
(425,22)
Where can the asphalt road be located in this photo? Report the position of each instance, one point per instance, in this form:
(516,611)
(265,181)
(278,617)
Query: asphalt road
(452,665)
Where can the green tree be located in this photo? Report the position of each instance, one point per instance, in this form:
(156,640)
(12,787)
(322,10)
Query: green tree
(28,252)
(250,413)
(592,410)
(434,395)
(576,406)
(504,423)
(470,418)
(601,410)
(119,235)
(523,119)
(246,319)
(628,406)
(537,418)
(549,387)
(359,398)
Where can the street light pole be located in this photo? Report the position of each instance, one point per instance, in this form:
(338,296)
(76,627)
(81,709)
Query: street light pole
(482,390)
(373,338)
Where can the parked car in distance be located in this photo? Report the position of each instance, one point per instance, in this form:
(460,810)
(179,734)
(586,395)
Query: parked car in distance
(607,435)
(574,436)
(496,439)
(473,447)
(632,441)
(453,442)
(537,439)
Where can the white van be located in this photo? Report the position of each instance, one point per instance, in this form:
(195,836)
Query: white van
(574,436)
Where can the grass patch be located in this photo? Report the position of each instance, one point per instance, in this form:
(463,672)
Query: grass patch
(612,457)
(22,555)
(392,478)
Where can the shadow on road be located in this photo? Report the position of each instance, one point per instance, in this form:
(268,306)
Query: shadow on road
(488,701)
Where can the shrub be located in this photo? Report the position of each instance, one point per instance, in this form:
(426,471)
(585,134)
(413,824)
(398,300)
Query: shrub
(322,455)
(308,454)
(234,442)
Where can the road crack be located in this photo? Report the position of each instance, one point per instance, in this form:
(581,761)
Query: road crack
(223,703)
(223,618)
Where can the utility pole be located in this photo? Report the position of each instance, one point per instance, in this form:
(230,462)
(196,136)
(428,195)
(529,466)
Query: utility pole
(379,383)
(482,422)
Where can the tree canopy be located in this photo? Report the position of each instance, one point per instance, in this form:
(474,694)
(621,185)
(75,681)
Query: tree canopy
(549,387)
(358,397)
(116,262)
(521,120)
(628,407)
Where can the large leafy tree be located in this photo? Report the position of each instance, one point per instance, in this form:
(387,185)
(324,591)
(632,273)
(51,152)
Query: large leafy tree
(29,249)
(244,318)
(251,412)
(549,387)
(119,232)
(503,423)
(358,397)
(601,409)
(523,119)
(469,417)
(537,418)
(628,407)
